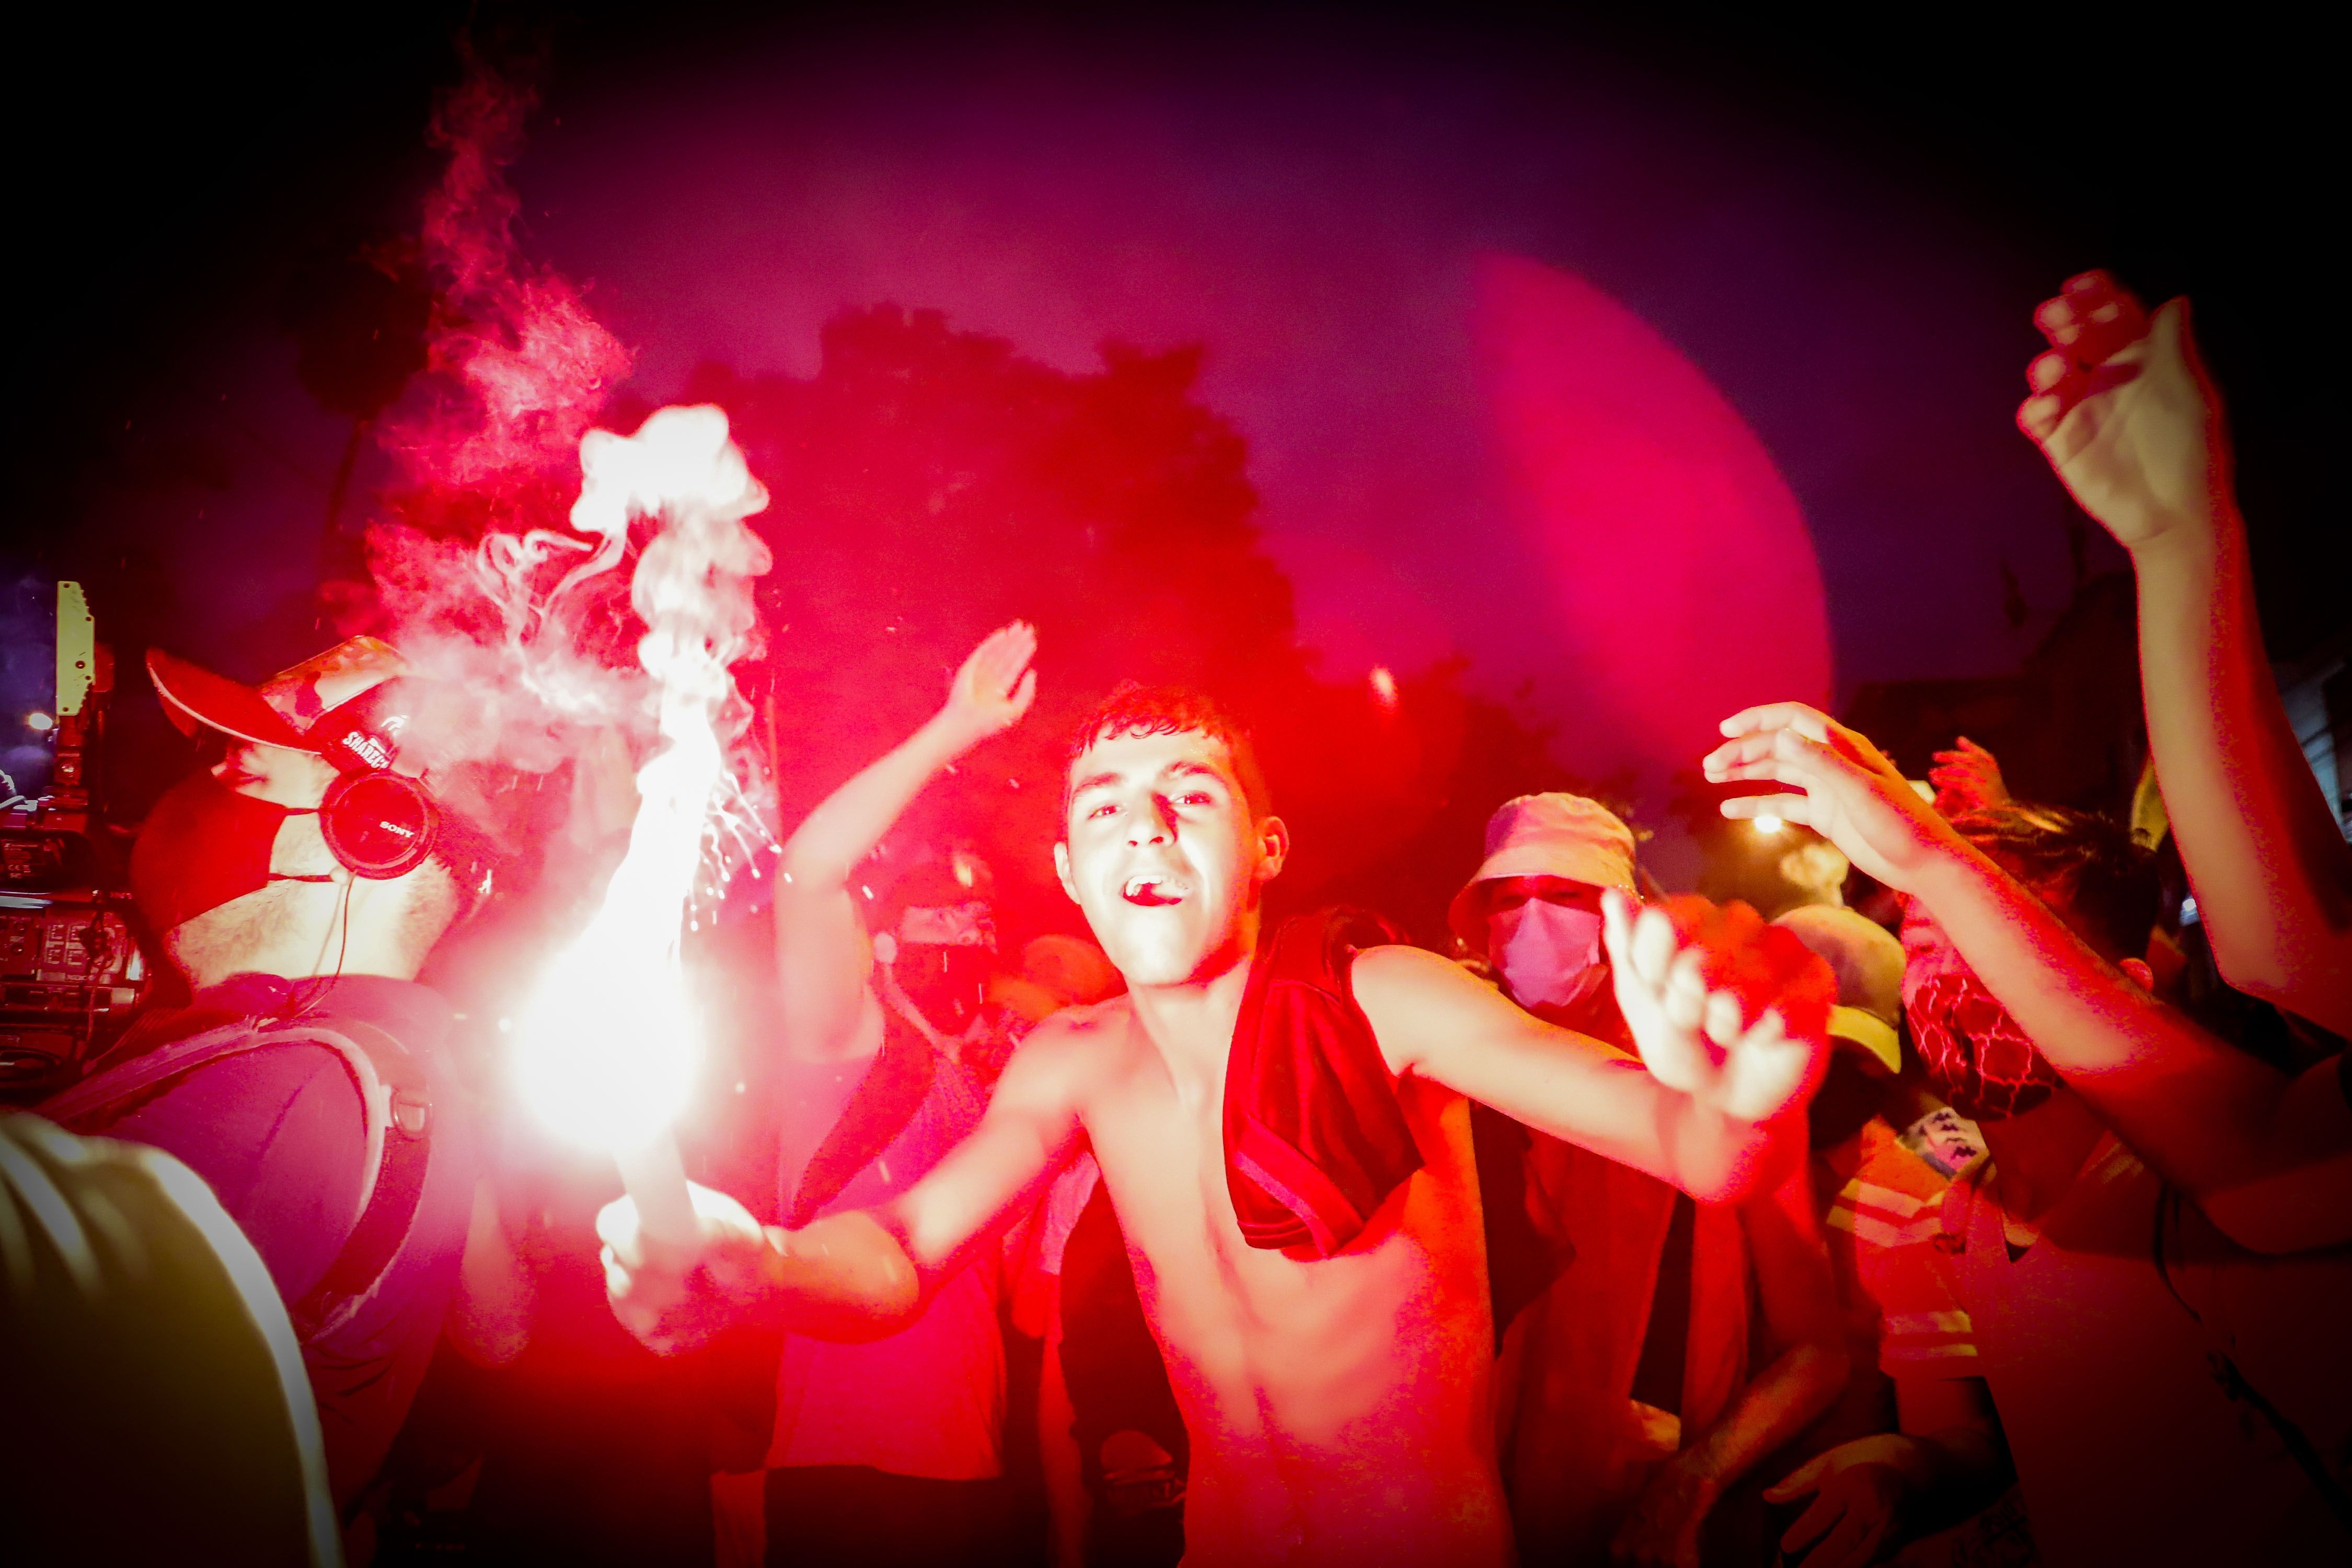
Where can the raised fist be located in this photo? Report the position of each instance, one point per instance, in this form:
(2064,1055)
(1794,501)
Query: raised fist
(2123,409)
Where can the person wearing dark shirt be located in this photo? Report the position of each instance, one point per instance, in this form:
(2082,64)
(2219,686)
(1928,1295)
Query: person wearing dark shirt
(283,918)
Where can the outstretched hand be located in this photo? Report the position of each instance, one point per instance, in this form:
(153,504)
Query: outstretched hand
(1722,1008)
(996,685)
(675,1300)
(1966,778)
(1852,796)
(2125,412)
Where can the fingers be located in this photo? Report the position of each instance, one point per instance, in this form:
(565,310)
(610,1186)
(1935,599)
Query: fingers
(1808,722)
(2091,319)
(1799,1481)
(617,1228)
(1653,948)
(1767,1071)
(1686,999)
(1720,1018)
(1851,1542)
(1025,693)
(1796,809)
(1812,1525)
(1617,913)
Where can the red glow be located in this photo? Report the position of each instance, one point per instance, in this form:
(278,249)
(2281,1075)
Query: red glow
(1383,686)
(1681,568)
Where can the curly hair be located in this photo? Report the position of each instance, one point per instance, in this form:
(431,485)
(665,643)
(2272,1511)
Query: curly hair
(2084,866)
(1135,708)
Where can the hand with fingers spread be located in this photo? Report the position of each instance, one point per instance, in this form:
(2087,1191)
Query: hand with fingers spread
(1722,1008)
(1848,791)
(1859,1491)
(675,1300)
(1966,778)
(995,686)
(2124,410)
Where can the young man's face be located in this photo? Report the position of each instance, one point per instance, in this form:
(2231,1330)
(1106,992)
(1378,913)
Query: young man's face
(1159,850)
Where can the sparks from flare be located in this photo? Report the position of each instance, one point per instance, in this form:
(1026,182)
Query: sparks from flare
(608,1048)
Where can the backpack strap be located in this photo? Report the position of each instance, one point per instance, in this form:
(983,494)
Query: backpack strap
(394,1100)
(395,1186)
(95,1102)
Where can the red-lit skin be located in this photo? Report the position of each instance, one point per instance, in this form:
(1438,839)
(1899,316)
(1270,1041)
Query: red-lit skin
(1966,778)
(2267,1157)
(1338,1408)
(342,924)
(824,960)
(2124,410)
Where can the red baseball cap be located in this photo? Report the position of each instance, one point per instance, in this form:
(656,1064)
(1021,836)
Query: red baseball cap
(282,710)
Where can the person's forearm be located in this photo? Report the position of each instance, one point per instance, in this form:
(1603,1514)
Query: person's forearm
(1780,1402)
(2199,1110)
(846,1276)
(2271,871)
(1720,1158)
(846,825)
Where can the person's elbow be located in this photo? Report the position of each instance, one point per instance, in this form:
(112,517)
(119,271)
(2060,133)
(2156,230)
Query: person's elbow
(812,862)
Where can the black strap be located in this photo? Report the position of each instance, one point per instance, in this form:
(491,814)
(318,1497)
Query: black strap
(885,1100)
(196,1037)
(391,1214)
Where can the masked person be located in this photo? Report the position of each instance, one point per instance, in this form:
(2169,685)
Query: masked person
(298,885)
(1626,1407)
(1281,1122)
(2166,1393)
(892,1451)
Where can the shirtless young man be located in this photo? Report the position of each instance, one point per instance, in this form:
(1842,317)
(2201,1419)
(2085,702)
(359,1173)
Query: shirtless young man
(1338,1408)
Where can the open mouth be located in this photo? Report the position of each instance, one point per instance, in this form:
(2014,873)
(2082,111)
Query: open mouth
(1153,891)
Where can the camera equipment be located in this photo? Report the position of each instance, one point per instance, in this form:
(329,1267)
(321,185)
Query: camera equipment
(72,974)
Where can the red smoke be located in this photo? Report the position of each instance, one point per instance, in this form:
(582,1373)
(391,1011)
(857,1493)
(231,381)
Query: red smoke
(531,367)
(1681,573)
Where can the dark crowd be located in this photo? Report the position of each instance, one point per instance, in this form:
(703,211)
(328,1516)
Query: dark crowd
(1917,1208)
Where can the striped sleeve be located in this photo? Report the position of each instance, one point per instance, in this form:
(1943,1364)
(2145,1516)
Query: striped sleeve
(1899,1265)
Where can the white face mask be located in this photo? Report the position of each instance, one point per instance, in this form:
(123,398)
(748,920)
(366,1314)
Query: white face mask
(1549,953)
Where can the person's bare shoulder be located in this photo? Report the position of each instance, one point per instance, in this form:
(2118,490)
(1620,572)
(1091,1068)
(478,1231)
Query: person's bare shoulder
(1076,1046)
(1407,992)
(1396,976)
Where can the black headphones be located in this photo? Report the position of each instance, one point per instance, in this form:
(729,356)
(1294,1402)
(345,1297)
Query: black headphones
(379,824)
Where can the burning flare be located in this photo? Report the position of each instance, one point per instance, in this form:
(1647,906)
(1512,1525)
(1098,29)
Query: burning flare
(609,1046)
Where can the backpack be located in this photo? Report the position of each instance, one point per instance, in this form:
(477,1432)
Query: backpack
(393,1097)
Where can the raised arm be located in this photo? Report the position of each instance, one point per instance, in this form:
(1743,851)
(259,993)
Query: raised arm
(1715,1103)
(863,1274)
(2126,414)
(829,1010)
(2267,1156)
